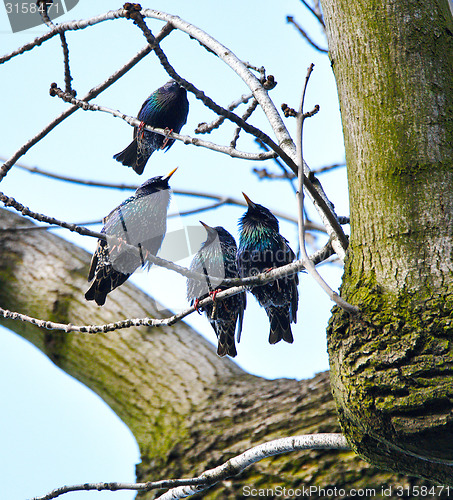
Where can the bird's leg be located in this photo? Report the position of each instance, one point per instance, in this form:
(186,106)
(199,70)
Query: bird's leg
(213,295)
(167,133)
(196,306)
(141,130)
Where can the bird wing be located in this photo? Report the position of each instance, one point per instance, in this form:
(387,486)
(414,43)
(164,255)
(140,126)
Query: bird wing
(243,305)
(291,256)
(94,262)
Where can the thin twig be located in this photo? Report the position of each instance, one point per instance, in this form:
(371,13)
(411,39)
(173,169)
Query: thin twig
(245,117)
(264,173)
(43,9)
(67,69)
(316,13)
(227,200)
(290,19)
(205,128)
(233,467)
(11,202)
(289,176)
(301,116)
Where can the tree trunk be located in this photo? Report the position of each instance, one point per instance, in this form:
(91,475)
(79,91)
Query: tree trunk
(392,365)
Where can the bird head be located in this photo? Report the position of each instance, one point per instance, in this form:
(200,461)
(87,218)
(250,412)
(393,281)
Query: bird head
(218,232)
(257,214)
(172,86)
(211,231)
(154,184)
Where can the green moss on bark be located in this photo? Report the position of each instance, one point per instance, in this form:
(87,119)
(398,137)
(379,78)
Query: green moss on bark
(392,368)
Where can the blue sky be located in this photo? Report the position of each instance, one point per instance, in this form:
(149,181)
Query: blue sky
(53,430)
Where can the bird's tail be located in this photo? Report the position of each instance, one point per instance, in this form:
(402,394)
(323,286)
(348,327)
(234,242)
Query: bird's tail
(106,280)
(130,158)
(280,325)
(225,337)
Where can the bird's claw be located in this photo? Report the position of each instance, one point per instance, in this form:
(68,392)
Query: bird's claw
(214,294)
(167,133)
(141,130)
(196,306)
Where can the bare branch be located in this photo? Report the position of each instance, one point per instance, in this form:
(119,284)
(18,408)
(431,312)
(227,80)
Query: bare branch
(237,464)
(233,467)
(67,69)
(73,180)
(11,202)
(259,279)
(229,150)
(61,28)
(237,285)
(42,8)
(328,168)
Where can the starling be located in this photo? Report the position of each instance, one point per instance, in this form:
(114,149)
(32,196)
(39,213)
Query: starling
(167,107)
(140,221)
(216,258)
(262,247)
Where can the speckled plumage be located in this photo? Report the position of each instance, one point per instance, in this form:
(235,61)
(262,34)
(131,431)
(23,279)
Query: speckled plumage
(262,247)
(217,257)
(141,221)
(166,107)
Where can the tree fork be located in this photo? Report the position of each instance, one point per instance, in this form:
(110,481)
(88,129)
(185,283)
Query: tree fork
(392,365)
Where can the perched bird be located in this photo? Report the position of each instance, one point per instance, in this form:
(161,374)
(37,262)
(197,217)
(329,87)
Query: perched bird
(217,258)
(261,248)
(140,221)
(167,107)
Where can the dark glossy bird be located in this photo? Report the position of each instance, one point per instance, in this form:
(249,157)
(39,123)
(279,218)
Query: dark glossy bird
(216,258)
(141,222)
(167,108)
(262,247)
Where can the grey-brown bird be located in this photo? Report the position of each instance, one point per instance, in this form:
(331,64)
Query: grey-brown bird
(216,259)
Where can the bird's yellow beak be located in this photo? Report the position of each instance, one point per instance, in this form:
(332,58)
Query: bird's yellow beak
(249,201)
(170,174)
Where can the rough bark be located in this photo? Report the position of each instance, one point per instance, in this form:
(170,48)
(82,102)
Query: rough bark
(188,409)
(392,365)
